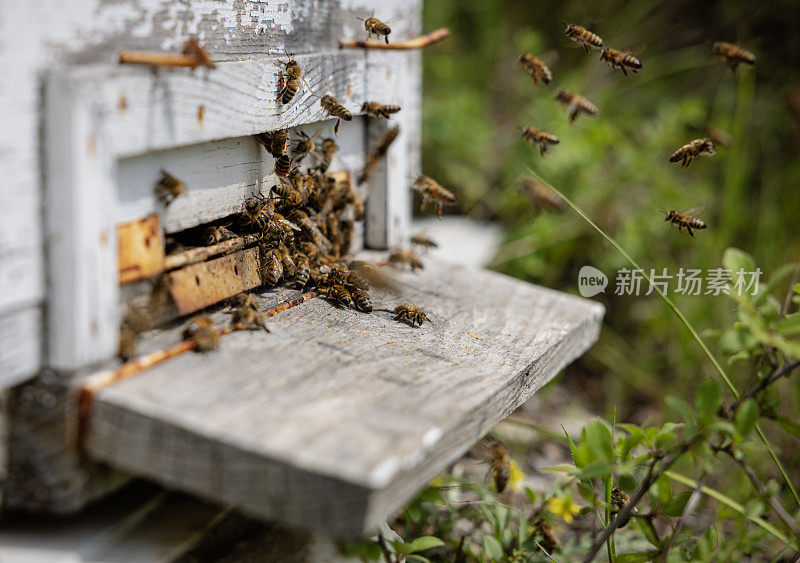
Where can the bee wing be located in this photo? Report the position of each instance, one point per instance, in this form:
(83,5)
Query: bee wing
(289,224)
(695,210)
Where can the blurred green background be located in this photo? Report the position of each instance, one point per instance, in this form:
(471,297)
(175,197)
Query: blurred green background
(477,98)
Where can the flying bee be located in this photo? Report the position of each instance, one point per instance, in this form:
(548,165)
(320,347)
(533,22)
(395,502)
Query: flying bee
(410,314)
(583,37)
(340,295)
(544,530)
(373,158)
(501,466)
(432,191)
(329,148)
(536,68)
(304,146)
(401,257)
(620,499)
(201,331)
(361,299)
(540,138)
(216,235)
(542,196)
(374,109)
(302,271)
(272,267)
(374,26)
(733,55)
(623,61)
(692,150)
(246,318)
(168,188)
(685,219)
(423,242)
(575,104)
(333,108)
(127,344)
(283,165)
(373,276)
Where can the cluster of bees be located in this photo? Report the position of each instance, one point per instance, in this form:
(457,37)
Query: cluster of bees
(306,222)
(732,55)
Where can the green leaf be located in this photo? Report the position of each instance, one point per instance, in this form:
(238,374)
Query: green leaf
(598,438)
(638,557)
(746,416)
(432,494)
(368,550)
(586,490)
(789,426)
(681,407)
(734,260)
(676,504)
(531,494)
(708,401)
(595,469)
(572,447)
(422,543)
(419,558)
(562,468)
(492,548)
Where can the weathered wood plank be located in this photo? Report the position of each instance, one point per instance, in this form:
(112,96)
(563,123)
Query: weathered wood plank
(141,249)
(20,333)
(336,418)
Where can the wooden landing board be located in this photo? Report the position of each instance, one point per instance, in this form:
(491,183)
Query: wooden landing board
(337,418)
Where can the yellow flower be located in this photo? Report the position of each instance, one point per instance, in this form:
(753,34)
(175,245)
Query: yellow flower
(515,477)
(564,507)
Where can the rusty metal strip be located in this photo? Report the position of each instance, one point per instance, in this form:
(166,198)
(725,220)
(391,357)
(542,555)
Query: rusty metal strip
(141,249)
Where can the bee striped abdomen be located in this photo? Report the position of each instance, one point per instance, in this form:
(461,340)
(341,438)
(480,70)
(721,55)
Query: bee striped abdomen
(540,138)
(583,37)
(536,68)
(283,165)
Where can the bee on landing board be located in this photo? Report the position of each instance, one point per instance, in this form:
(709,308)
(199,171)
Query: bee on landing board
(501,466)
(733,55)
(246,317)
(302,270)
(403,257)
(333,108)
(216,235)
(432,191)
(583,37)
(685,219)
(374,109)
(410,314)
(168,188)
(540,138)
(575,104)
(536,68)
(271,267)
(692,150)
(623,61)
(201,331)
(374,26)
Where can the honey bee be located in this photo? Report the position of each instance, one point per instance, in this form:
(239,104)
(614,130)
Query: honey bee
(685,219)
(304,146)
(733,55)
(274,141)
(376,27)
(540,138)
(432,191)
(272,267)
(423,242)
(544,531)
(289,267)
(329,148)
(283,165)
(216,235)
(247,318)
(287,89)
(583,37)
(410,314)
(623,61)
(536,68)
(373,276)
(245,300)
(290,196)
(200,55)
(302,271)
(201,331)
(386,141)
(257,211)
(168,188)
(127,344)
(620,499)
(575,104)
(374,109)
(361,299)
(501,466)
(340,295)
(692,150)
(400,257)
(542,196)
(333,108)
